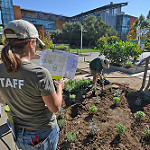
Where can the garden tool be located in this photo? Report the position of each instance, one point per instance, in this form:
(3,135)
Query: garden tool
(103,81)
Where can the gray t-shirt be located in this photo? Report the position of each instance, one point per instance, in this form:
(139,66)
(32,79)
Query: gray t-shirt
(23,91)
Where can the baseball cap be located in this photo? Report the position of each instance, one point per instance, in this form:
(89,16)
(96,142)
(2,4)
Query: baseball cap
(105,63)
(23,30)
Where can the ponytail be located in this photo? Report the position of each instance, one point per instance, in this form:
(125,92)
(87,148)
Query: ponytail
(10,59)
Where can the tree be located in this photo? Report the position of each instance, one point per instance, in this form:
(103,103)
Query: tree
(71,32)
(95,28)
(140,24)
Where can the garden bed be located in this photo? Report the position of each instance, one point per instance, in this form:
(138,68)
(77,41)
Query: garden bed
(78,119)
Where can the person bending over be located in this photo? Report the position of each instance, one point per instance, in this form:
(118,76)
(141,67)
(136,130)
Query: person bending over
(96,67)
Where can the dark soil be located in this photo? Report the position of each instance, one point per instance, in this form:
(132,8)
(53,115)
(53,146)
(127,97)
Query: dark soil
(78,119)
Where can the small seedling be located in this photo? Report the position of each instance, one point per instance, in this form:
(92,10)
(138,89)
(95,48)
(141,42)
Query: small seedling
(93,109)
(139,114)
(93,128)
(117,92)
(138,101)
(120,128)
(71,136)
(147,132)
(110,86)
(72,96)
(116,100)
(98,99)
(93,88)
(61,122)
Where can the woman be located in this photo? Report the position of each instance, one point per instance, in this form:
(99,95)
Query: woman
(28,89)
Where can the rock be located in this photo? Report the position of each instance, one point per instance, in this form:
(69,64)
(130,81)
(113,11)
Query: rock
(114,86)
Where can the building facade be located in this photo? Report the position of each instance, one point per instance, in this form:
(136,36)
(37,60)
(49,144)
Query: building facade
(46,22)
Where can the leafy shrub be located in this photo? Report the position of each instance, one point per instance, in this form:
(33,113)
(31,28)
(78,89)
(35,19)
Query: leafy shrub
(116,100)
(120,128)
(93,109)
(120,51)
(71,136)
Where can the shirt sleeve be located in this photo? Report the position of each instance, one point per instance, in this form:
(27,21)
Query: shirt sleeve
(45,82)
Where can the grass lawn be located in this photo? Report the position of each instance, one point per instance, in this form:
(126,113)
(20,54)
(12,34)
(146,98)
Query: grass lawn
(83,50)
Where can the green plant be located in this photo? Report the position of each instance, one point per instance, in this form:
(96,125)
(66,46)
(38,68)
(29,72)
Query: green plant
(71,136)
(116,100)
(98,99)
(147,132)
(93,88)
(120,128)
(139,114)
(93,109)
(117,92)
(110,86)
(128,63)
(72,96)
(93,128)
(61,122)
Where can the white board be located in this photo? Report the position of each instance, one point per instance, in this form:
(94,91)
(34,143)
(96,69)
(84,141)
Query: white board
(59,63)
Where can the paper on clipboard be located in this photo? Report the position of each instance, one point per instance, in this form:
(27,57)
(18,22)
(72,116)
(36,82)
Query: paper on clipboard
(59,63)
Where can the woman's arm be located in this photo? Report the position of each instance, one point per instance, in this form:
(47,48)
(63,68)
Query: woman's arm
(54,100)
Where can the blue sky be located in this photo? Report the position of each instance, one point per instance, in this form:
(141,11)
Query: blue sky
(74,7)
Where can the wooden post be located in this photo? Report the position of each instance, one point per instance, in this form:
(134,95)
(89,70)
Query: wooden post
(145,73)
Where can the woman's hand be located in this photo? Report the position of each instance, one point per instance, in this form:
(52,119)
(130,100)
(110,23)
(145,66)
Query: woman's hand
(59,84)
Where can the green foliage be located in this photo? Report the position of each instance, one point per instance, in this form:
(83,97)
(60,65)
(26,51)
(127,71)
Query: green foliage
(93,128)
(120,128)
(93,88)
(117,92)
(71,136)
(120,51)
(139,114)
(146,133)
(2,39)
(98,99)
(113,39)
(72,96)
(96,28)
(116,100)
(106,39)
(128,63)
(75,85)
(93,109)
(61,122)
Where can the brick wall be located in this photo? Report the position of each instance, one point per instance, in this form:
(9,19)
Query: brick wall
(17,12)
(59,24)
